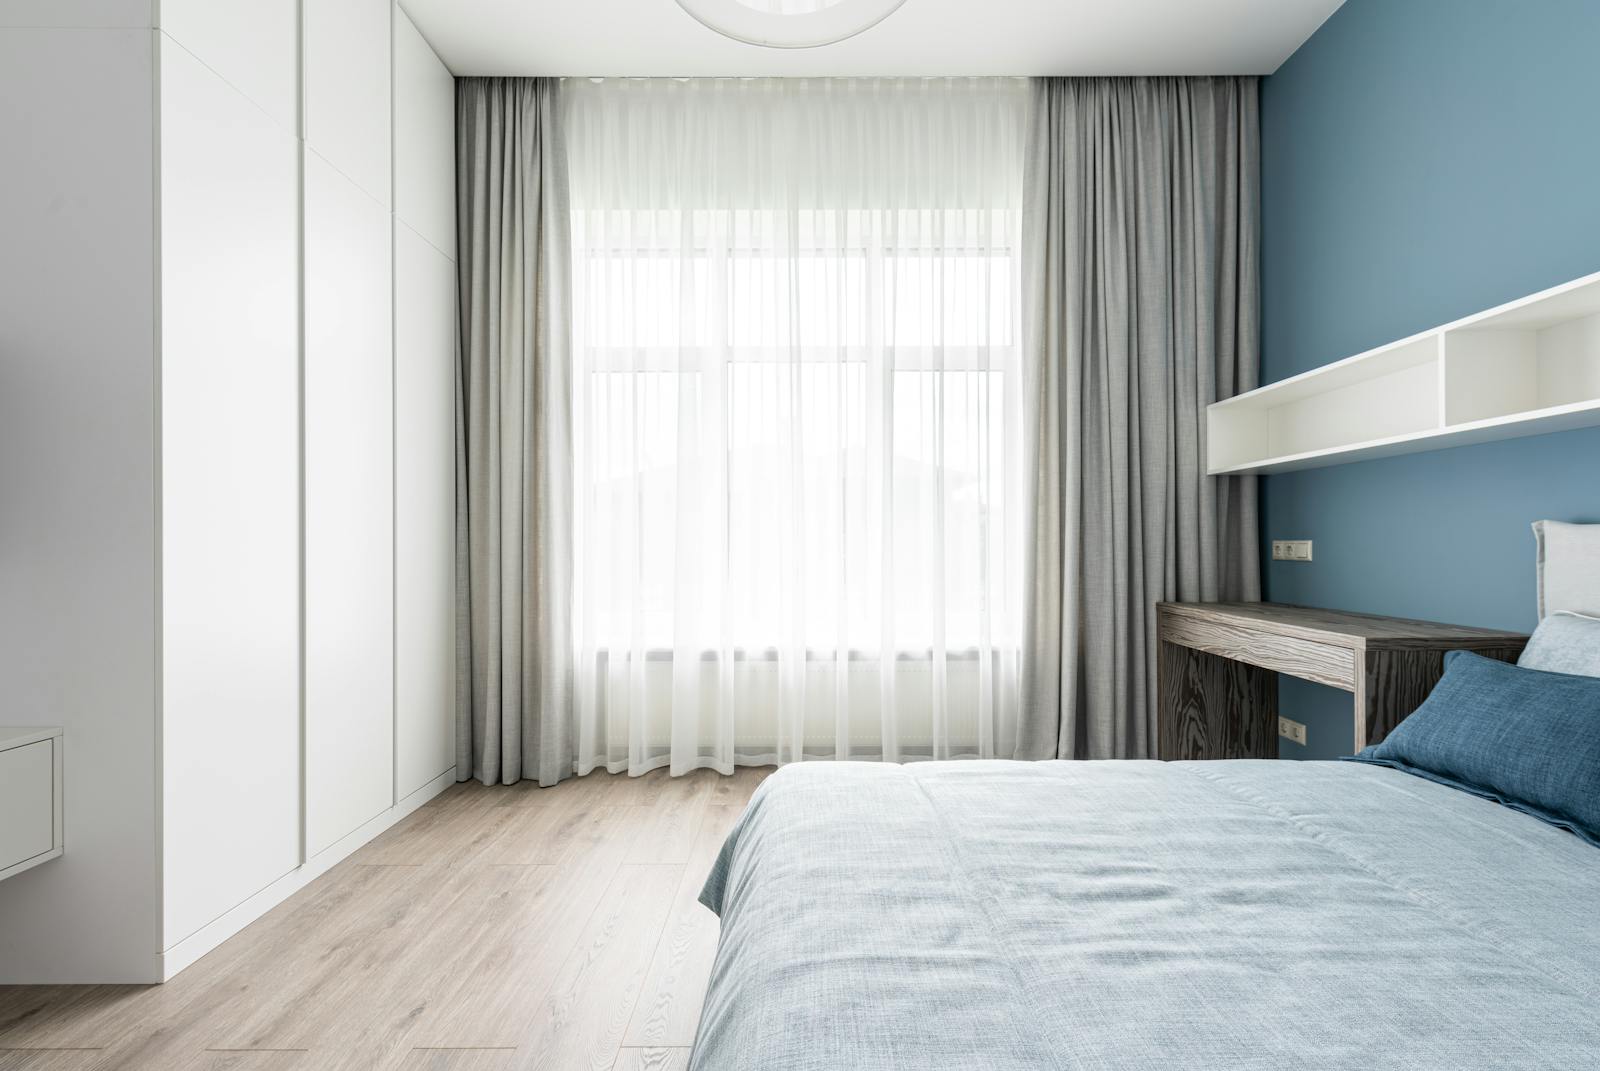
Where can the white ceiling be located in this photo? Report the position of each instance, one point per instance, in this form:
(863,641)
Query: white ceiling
(925,37)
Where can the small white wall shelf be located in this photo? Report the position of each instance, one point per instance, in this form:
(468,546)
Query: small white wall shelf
(30,798)
(1525,368)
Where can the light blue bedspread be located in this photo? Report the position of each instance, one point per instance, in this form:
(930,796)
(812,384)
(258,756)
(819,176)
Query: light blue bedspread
(988,916)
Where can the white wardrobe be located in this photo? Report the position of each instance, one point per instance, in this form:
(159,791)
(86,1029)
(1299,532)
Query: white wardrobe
(230,342)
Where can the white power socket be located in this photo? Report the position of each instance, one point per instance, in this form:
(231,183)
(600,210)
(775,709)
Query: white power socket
(1291,550)
(1293,730)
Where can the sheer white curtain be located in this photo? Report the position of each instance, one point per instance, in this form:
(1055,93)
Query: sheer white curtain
(796,419)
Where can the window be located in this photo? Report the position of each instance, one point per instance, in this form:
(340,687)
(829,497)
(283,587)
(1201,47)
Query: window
(795,337)
(833,415)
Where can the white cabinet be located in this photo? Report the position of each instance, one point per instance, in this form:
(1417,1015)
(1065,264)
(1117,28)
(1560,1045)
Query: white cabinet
(30,798)
(424,139)
(253,47)
(425,538)
(349,522)
(424,411)
(347,48)
(230,495)
(206,570)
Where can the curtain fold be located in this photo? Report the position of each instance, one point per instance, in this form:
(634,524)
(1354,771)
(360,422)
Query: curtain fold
(1140,306)
(514,435)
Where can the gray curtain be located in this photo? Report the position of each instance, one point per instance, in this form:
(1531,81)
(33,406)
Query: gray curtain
(513,450)
(1140,296)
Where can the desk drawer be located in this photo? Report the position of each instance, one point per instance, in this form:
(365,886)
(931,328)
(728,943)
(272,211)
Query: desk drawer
(1320,662)
(27,802)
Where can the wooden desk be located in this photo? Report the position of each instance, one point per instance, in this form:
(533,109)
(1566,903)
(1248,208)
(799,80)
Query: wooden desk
(1217,693)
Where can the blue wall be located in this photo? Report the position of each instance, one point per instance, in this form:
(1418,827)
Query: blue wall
(1422,160)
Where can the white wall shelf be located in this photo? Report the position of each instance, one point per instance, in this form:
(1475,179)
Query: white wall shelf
(30,798)
(1525,368)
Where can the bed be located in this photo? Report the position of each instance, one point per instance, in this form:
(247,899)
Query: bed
(1235,914)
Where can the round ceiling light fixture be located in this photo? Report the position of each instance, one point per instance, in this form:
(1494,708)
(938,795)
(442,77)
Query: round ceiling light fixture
(790,23)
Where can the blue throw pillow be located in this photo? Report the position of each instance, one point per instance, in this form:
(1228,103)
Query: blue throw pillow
(1529,739)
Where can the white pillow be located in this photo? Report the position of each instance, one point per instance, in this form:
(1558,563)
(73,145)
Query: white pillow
(1564,642)
(1569,567)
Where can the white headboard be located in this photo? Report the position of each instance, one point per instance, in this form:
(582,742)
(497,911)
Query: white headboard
(1569,567)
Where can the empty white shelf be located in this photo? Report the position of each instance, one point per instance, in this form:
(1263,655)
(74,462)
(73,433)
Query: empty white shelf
(1524,368)
(30,798)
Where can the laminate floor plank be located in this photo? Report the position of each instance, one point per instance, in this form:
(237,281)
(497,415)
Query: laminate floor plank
(59,1016)
(665,830)
(363,1013)
(668,1011)
(471,983)
(508,971)
(458,1060)
(740,786)
(322,970)
(453,832)
(496,927)
(96,1016)
(51,1059)
(580,1023)
(432,969)
(253,1060)
(517,964)
(313,961)
(652,1059)
(557,829)
(596,785)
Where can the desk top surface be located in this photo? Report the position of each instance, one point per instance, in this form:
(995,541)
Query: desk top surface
(1341,626)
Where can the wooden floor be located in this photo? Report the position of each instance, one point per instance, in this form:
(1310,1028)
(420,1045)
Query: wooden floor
(495,928)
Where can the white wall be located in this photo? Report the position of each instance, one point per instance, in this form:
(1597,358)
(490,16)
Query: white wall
(78,14)
(230,479)
(424,351)
(78,453)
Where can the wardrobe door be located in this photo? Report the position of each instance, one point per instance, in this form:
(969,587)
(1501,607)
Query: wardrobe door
(424,399)
(349,507)
(349,418)
(253,47)
(425,283)
(230,494)
(347,57)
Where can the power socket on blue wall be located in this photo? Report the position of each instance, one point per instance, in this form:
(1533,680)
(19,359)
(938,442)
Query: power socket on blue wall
(1291,730)
(1325,713)
(1291,550)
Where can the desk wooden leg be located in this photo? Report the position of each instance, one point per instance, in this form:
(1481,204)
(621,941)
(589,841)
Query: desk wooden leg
(1209,707)
(1397,681)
